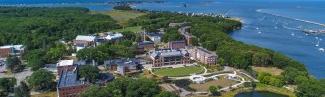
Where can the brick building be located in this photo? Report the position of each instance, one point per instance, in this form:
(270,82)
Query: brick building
(177,44)
(203,55)
(165,57)
(14,50)
(69,84)
(145,46)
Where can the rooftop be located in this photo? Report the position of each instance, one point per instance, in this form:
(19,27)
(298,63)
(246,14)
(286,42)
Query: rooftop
(86,38)
(68,78)
(122,62)
(206,51)
(16,47)
(145,42)
(65,63)
(113,35)
(168,53)
(153,34)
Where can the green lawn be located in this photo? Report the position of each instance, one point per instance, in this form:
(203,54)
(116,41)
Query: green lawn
(122,17)
(177,72)
(132,29)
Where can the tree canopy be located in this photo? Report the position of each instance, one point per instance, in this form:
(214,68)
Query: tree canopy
(89,72)
(41,80)
(6,86)
(127,87)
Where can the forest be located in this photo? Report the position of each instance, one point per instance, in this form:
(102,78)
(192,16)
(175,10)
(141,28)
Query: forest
(40,28)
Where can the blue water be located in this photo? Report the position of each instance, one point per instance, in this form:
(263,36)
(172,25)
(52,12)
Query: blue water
(259,94)
(271,24)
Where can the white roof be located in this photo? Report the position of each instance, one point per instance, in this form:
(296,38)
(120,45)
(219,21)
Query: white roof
(111,35)
(16,47)
(85,38)
(65,63)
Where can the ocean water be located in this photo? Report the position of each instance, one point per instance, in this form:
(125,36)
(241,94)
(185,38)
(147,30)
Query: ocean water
(270,24)
(273,24)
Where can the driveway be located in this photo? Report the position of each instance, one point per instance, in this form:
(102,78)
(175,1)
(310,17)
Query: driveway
(20,76)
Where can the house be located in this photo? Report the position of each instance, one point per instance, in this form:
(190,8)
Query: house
(69,84)
(83,41)
(11,50)
(177,44)
(153,36)
(203,55)
(145,46)
(123,66)
(165,57)
(113,36)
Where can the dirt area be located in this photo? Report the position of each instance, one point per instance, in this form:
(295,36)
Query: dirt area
(47,94)
(205,87)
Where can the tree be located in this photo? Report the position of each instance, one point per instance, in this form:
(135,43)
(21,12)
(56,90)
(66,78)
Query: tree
(214,90)
(55,53)
(6,86)
(171,35)
(22,90)
(95,91)
(89,72)
(166,94)
(126,87)
(311,88)
(13,64)
(41,80)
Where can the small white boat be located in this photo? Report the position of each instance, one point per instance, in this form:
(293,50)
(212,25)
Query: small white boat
(321,49)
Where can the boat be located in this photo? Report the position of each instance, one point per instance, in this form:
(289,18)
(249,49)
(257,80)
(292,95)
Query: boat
(314,31)
(321,49)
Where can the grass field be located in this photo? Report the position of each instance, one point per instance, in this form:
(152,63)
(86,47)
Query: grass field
(132,29)
(122,17)
(178,72)
(271,70)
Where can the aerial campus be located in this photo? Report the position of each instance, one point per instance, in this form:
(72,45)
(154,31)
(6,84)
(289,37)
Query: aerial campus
(138,53)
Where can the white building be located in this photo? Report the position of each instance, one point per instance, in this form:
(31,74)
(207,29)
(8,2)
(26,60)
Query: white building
(113,36)
(83,41)
(8,50)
